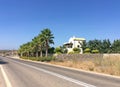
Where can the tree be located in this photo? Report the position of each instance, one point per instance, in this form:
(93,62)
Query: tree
(47,37)
(38,44)
(95,44)
(51,50)
(84,45)
(106,46)
(63,49)
(24,49)
(116,46)
(20,51)
(58,50)
(31,47)
(36,47)
(28,48)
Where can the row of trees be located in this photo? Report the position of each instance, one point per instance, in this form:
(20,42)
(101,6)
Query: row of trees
(39,44)
(101,46)
(94,46)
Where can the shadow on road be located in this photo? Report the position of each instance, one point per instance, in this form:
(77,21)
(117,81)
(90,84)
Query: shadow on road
(3,62)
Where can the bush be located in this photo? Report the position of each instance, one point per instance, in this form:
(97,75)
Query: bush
(95,51)
(76,50)
(58,53)
(23,57)
(49,59)
(58,50)
(65,51)
(42,59)
(87,50)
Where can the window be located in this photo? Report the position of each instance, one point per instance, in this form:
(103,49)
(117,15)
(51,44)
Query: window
(70,46)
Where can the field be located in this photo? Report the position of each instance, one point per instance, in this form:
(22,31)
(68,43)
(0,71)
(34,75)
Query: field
(110,64)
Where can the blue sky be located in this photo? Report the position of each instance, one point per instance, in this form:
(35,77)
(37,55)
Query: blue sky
(21,20)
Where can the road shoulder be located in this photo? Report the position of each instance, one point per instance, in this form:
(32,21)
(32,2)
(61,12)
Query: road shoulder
(2,81)
(71,68)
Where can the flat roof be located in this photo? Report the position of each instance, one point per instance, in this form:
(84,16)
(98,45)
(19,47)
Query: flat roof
(78,39)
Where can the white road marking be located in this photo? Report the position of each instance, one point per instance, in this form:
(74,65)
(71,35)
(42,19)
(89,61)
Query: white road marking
(58,75)
(8,84)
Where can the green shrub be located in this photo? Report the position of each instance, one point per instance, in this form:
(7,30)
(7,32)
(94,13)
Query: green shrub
(65,51)
(87,50)
(42,59)
(58,50)
(76,50)
(72,52)
(49,58)
(23,57)
(58,53)
(95,51)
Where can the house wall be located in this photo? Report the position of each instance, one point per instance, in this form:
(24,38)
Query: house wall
(76,44)
(70,49)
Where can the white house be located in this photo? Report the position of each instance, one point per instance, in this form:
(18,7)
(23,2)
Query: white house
(74,43)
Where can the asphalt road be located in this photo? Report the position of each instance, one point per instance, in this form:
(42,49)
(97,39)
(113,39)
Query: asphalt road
(30,74)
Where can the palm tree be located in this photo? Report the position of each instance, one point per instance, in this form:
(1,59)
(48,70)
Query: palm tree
(35,47)
(40,44)
(31,48)
(20,51)
(23,50)
(43,40)
(47,37)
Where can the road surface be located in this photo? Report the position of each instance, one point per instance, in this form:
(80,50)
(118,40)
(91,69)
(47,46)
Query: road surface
(21,73)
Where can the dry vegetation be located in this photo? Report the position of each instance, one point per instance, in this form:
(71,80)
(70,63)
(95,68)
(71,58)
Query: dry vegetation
(110,64)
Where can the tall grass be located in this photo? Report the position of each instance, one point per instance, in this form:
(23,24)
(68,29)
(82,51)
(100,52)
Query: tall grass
(110,64)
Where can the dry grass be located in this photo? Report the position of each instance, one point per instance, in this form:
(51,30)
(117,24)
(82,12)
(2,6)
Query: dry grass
(109,65)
